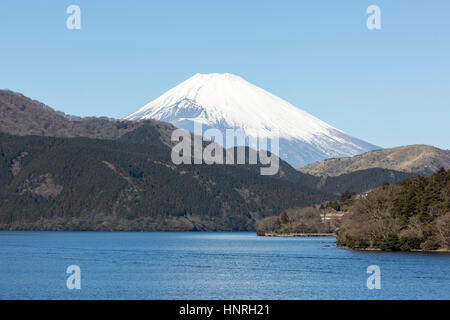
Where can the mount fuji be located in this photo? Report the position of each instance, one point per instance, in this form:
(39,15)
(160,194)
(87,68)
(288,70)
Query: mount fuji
(226,101)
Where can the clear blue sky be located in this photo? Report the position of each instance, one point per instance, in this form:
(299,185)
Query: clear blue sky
(389,87)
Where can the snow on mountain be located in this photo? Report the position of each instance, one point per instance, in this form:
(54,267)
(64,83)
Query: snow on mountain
(224,101)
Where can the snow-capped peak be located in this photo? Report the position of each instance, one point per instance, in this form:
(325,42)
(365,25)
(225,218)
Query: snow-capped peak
(219,98)
(228,101)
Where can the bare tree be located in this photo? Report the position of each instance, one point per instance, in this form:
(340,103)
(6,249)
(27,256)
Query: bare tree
(443,229)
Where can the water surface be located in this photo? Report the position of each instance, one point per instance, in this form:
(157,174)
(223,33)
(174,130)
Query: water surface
(172,265)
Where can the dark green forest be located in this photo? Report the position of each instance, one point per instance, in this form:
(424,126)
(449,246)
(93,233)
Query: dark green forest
(88,184)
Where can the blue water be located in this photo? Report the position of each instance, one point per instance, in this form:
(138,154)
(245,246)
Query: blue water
(134,265)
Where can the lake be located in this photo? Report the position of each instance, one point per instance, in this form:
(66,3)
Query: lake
(183,265)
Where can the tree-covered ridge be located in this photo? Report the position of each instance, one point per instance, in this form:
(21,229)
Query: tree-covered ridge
(51,183)
(410,215)
(361,181)
(23,116)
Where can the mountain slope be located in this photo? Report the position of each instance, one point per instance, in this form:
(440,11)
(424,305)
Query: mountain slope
(49,183)
(20,115)
(224,101)
(360,181)
(416,159)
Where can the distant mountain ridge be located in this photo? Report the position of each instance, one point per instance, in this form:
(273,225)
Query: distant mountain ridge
(414,159)
(20,115)
(226,101)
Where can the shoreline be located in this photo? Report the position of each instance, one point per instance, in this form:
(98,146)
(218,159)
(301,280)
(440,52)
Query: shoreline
(441,250)
(287,235)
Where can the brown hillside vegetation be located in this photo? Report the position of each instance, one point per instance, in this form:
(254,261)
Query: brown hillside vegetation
(323,219)
(419,159)
(22,116)
(410,215)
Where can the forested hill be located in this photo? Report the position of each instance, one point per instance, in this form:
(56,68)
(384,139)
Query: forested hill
(413,214)
(49,183)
